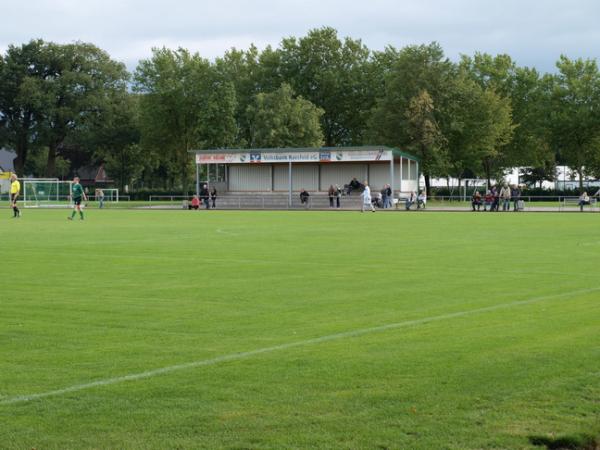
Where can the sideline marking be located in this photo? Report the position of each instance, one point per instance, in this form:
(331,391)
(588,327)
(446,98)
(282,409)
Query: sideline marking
(230,233)
(243,355)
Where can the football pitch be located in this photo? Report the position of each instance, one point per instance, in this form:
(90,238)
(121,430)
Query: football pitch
(268,330)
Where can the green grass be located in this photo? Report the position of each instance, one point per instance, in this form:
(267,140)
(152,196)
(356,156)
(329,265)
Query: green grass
(511,355)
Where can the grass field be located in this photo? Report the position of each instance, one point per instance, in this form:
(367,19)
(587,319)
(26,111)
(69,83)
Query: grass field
(299,330)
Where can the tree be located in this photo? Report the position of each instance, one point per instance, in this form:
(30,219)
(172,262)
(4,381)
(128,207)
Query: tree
(479,126)
(574,115)
(116,141)
(334,75)
(278,120)
(82,82)
(426,139)
(411,110)
(172,85)
(21,97)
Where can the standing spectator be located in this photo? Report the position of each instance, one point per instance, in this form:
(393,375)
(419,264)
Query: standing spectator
(100,198)
(387,196)
(204,196)
(496,199)
(304,197)
(505,197)
(476,201)
(213,197)
(331,194)
(366,198)
(422,200)
(515,194)
(338,195)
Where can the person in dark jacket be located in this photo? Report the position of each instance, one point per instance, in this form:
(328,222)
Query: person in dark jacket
(515,194)
(213,197)
(304,197)
(331,194)
(204,195)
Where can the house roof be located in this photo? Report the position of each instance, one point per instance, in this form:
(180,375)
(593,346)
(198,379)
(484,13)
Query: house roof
(6,160)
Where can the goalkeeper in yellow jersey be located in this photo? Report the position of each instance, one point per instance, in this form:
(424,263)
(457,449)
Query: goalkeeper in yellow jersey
(15,191)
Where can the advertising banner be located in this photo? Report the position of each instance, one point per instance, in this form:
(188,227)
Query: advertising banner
(295,157)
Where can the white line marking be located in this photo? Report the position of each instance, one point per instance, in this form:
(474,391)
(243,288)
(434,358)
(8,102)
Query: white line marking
(244,355)
(229,233)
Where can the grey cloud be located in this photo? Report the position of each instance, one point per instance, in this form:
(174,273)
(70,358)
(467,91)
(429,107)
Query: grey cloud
(534,32)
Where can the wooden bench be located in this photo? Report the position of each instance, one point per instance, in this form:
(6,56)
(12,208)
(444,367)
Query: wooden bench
(574,201)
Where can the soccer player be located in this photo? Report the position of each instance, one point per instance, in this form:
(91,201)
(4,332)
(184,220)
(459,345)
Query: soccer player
(78,194)
(15,190)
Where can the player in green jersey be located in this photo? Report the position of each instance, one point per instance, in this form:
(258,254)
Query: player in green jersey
(78,195)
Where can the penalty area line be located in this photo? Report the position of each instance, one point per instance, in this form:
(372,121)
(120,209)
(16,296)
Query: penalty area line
(290,345)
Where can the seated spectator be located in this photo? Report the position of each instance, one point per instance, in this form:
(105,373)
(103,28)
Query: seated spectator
(195,203)
(378,200)
(354,185)
(304,197)
(488,200)
(422,200)
(476,201)
(584,199)
(412,198)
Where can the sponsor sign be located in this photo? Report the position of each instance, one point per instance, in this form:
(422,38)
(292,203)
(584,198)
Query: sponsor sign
(297,157)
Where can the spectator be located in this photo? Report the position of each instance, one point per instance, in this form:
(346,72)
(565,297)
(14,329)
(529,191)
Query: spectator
(304,197)
(476,201)
(387,198)
(354,185)
(378,200)
(366,197)
(332,194)
(100,198)
(422,200)
(338,195)
(204,196)
(584,199)
(505,197)
(194,204)
(488,200)
(495,199)
(213,197)
(515,194)
(412,198)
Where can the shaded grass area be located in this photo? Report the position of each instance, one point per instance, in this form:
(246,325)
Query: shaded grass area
(125,292)
(584,442)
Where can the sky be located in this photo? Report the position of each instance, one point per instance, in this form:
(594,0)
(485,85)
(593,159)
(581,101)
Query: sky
(534,32)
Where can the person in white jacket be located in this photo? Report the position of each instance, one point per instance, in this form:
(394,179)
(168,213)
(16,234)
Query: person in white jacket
(366,199)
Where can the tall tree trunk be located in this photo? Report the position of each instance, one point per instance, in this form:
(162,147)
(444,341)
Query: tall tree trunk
(580,173)
(22,149)
(427,184)
(19,160)
(51,164)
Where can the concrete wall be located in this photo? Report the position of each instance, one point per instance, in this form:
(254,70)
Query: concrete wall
(318,177)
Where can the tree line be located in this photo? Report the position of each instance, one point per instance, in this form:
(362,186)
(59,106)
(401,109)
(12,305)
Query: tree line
(66,106)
